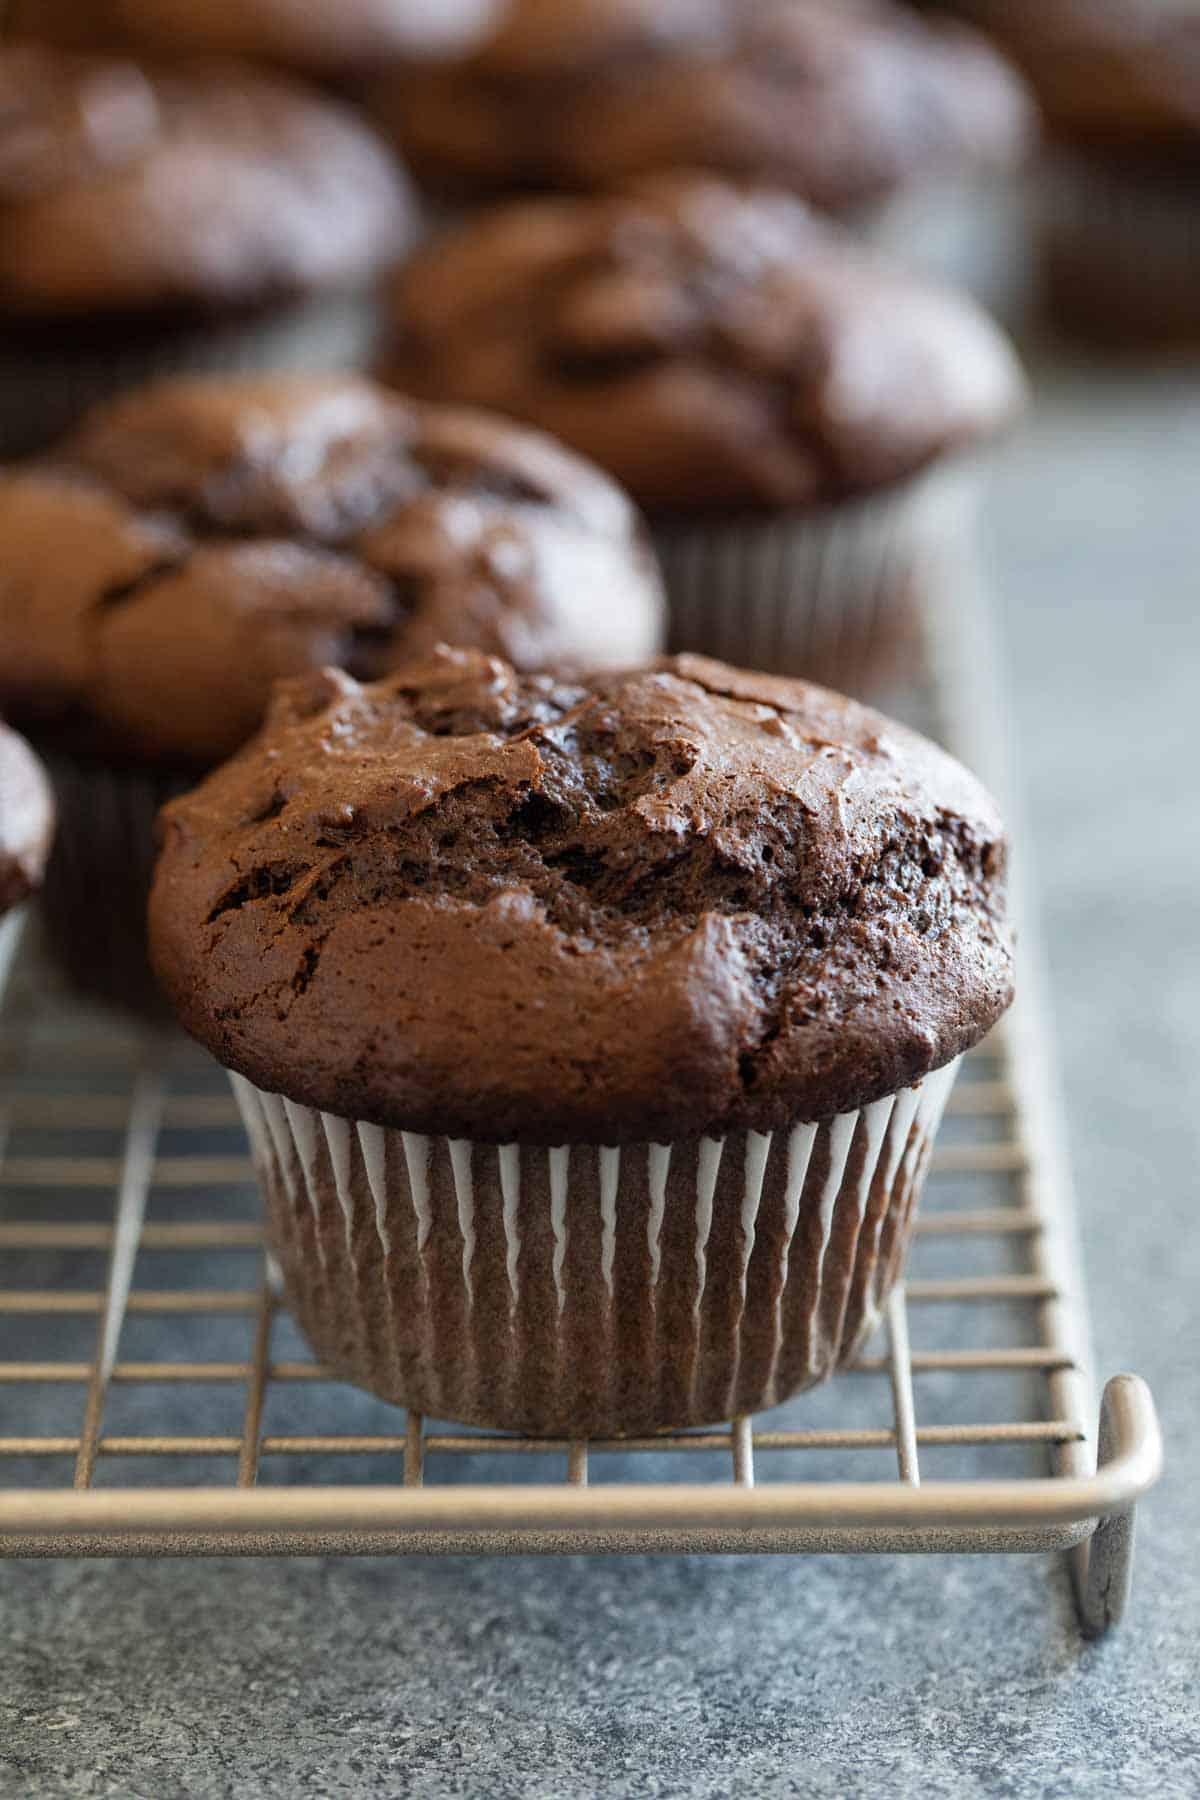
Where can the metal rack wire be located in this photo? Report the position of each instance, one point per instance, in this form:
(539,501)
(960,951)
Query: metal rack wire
(141,1336)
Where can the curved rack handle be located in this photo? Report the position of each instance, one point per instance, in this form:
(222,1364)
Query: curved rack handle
(1102,1566)
(1130,1462)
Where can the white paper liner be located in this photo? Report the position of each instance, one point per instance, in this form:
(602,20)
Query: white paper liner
(829,595)
(93,901)
(583,1290)
(45,385)
(1120,249)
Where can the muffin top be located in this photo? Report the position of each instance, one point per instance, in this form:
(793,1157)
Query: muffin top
(26,819)
(135,187)
(565,40)
(842,101)
(710,345)
(1116,74)
(671,901)
(322,37)
(197,539)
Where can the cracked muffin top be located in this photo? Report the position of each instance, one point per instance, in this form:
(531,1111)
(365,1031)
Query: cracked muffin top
(153,187)
(656,903)
(708,344)
(196,540)
(26,820)
(843,101)
(321,38)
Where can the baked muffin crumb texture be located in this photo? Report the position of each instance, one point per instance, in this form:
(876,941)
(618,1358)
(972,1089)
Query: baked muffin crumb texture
(648,905)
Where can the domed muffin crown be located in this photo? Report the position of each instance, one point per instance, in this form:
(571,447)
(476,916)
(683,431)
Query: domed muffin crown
(844,102)
(145,187)
(199,539)
(671,901)
(706,343)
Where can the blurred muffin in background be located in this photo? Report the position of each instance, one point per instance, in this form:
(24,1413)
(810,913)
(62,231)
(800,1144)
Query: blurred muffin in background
(842,102)
(319,36)
(1106,72)
(195,541)
(791,409)
(165,216)
(26,820)
(1119,83)
(857,106)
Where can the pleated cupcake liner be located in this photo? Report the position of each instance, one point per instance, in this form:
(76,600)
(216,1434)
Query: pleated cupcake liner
(831,595)
(590,1291)
(48,380)
(1120,250)
(97,885)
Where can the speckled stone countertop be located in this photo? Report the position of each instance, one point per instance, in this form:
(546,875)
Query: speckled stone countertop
(839,1677)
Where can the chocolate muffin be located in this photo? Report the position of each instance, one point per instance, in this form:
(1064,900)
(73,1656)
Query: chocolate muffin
(1119,83)
(792,409)
(845,102)
(591,1035)
(192,542)
(26,820)
(319,38)
(161,216)
(1106,72)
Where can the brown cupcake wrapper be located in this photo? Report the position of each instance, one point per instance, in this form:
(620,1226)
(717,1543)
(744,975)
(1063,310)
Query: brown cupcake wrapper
(48,381)
(1120,250)
(93,900)
(829,595)
(587,1291)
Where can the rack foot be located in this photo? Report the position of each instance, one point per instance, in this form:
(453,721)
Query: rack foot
(1102,1567)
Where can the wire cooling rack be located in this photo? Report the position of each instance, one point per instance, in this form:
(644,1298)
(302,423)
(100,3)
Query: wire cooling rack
(156,1399)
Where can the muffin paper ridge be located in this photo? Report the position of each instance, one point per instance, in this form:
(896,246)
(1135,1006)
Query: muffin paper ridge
(583,1290)
(827,595)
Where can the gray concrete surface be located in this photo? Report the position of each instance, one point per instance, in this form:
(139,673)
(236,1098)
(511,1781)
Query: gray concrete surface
(826,1677)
